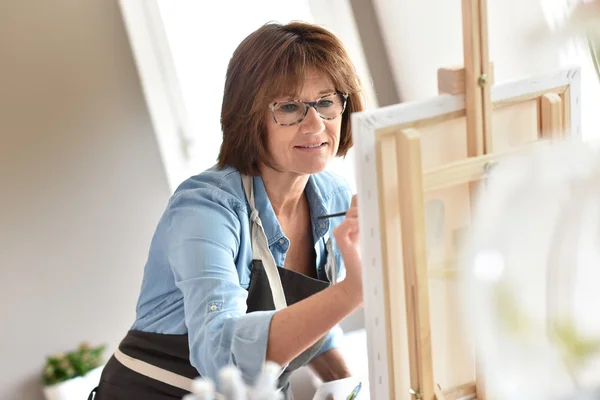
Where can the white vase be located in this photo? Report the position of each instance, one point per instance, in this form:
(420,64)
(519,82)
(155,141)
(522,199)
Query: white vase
(74,389)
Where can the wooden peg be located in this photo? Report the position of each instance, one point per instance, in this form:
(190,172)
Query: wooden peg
(551,121)
(451,80)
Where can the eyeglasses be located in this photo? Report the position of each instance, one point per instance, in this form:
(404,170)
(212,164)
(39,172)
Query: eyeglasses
(330,106)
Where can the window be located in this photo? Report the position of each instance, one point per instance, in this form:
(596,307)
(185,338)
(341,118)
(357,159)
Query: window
(182,48)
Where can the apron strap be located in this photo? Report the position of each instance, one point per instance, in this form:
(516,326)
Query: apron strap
(157,373)
(260,247)
(330,265)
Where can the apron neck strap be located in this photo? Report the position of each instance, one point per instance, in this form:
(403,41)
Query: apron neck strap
(248,183)
(260,246)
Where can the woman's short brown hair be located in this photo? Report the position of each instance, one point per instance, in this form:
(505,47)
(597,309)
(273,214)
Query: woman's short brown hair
(268,64)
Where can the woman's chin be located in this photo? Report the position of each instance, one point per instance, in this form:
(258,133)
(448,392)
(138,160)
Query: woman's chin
(303,167)
(313,168)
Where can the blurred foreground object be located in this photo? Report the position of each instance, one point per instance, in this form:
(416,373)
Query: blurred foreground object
(532,274)
(573,19)
(232,387)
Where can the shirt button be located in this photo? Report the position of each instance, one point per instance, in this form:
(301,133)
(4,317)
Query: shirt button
(281,241)
(213,307)
(322,226)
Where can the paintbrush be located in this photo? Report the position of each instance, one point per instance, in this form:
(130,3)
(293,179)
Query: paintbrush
(340,214)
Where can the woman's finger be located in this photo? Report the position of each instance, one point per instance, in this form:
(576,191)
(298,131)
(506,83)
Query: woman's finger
(352,213)
(346,230)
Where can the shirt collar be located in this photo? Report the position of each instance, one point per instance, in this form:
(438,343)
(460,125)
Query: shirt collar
(273,230)
(318,207)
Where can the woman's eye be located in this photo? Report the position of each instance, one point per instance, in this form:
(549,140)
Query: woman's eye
(325,103)
(289,107)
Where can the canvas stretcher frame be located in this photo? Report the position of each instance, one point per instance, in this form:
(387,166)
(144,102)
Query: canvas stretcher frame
(394,174)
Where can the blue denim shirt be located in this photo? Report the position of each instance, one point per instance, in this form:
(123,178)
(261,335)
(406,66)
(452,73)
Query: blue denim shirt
(198,268)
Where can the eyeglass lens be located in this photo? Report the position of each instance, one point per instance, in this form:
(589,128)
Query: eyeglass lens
(291,112)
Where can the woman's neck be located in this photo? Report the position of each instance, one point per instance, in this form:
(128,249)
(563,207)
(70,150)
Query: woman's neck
(285,191)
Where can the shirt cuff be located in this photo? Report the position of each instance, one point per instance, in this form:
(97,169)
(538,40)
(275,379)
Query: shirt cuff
(333,340)
(249,345)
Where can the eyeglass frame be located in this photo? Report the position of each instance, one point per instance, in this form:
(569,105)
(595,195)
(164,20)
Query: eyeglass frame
(309,104)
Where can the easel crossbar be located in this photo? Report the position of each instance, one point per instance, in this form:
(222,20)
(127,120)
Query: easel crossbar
(468,170)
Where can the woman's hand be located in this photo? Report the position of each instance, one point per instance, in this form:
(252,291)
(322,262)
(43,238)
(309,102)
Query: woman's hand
(346,236)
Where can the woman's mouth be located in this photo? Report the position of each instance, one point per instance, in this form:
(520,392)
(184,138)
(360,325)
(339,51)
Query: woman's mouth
(312,147)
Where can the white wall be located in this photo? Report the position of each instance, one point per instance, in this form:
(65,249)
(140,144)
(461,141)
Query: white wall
(422,36)
(82,185)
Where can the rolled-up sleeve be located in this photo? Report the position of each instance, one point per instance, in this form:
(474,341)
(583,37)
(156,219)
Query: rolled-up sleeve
(333,340)
(203,243)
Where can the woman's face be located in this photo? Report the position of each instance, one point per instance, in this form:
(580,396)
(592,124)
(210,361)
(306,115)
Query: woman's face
(306,147)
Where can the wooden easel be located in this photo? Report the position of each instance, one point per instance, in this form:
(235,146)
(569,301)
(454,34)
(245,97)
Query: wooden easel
(431,155)
(474,80)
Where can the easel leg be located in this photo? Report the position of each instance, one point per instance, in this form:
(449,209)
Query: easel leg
(412,219)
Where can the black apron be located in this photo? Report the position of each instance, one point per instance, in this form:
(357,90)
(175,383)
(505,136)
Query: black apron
(171,352)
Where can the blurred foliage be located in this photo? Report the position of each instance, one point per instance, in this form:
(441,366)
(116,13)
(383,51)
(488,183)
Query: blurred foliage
(576,348)
(64,366)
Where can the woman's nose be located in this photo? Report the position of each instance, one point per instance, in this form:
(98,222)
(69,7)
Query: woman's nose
(313,123)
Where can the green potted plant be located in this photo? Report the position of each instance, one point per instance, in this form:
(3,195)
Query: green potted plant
(74,374)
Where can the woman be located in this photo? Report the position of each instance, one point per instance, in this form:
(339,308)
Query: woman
(241,269)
